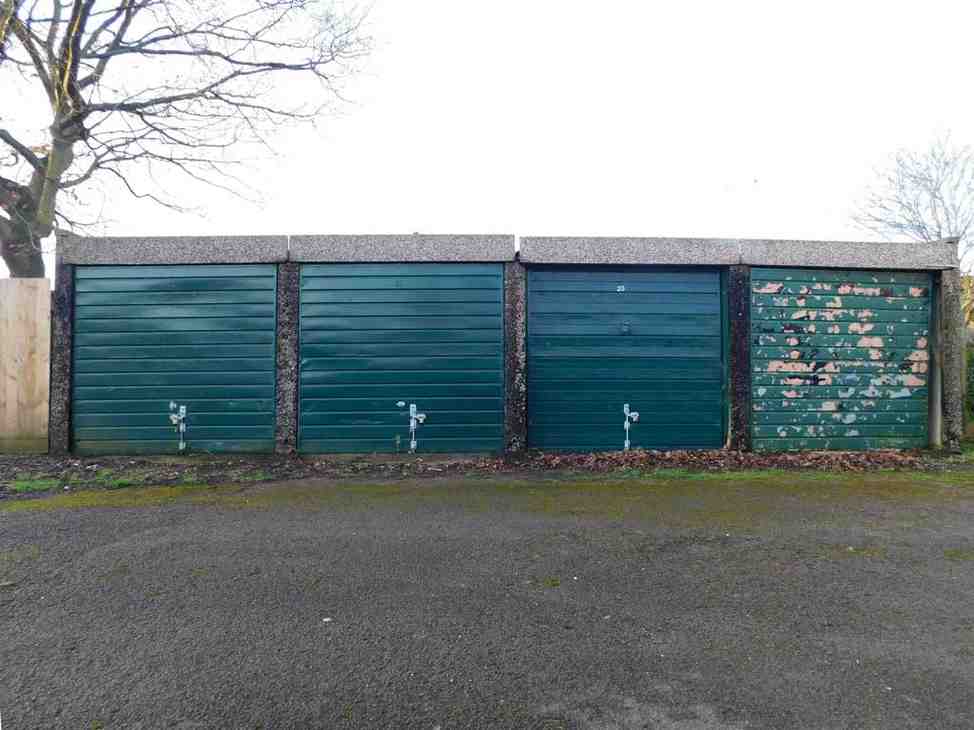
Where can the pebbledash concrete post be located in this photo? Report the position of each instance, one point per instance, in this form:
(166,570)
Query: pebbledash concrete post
(515,359)
(950,331)
(288,296)
(62,338)
(739,311)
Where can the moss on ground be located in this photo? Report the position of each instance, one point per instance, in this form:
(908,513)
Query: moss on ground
(959,554)
(740,501)
(145,497)
(30,486)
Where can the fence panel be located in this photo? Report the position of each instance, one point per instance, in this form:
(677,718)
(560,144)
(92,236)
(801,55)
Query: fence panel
(25,348)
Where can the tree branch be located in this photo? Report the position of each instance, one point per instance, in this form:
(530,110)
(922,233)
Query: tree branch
(22,149)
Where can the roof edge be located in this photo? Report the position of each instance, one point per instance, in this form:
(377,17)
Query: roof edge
(731,251)
(393,248)
(125,250)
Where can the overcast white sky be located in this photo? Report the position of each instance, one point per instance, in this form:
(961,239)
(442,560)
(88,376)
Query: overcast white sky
(618,117)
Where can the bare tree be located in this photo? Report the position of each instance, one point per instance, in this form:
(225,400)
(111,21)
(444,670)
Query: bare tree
(121,89)
(924,196)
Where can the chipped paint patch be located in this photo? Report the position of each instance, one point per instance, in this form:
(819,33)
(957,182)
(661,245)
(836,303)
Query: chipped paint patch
(873,379)
(785,366)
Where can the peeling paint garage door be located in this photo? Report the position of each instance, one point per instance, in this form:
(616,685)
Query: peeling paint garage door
(840,359)
(148,337)
(377,339)
(601,338)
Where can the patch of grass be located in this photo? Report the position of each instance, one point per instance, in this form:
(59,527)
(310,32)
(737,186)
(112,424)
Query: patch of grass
(29,486)
(682,473)
(551,582)
(114,480)
(959,554)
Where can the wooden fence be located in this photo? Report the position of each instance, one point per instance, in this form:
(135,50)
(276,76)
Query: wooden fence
(25,348)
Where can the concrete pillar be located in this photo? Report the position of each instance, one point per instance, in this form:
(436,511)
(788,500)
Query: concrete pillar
(515,358)
(935,390)
(950,329)
(739,311)
(288,304)
(62,338)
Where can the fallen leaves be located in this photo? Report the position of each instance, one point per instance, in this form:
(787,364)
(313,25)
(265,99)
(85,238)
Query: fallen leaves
(119,472)
(724,460)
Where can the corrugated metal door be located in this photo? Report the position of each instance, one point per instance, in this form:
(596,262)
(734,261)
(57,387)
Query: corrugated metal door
(600,338)
(146,337)
(376,338)
(840,359)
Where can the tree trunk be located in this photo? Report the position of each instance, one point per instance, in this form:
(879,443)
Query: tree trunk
(31,208)
(20,243)
(22,255)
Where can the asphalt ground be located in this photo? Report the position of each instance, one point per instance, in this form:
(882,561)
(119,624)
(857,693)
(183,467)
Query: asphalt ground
(753,600)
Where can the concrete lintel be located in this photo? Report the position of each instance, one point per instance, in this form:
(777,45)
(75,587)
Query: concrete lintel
(172,250)
(937,255)
(407,248)
(632,251)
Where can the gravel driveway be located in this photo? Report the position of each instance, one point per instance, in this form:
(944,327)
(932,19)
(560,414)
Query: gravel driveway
(749,601)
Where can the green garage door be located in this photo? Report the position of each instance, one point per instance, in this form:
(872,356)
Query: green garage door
(149,340)
(602,338)
(378,339)
(840,359)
